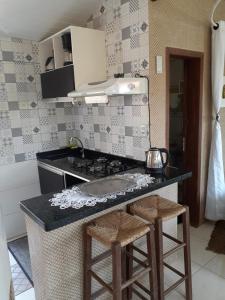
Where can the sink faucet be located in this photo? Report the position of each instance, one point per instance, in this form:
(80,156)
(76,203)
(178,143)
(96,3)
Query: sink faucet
(82,146)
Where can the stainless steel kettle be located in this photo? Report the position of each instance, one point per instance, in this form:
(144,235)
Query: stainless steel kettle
(155,161)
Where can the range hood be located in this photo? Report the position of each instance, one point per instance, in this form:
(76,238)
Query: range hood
(98,92)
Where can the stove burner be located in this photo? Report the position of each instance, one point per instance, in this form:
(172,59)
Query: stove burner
(115,163)
(102,159)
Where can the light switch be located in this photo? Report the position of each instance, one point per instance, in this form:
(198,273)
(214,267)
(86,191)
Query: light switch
(159,65)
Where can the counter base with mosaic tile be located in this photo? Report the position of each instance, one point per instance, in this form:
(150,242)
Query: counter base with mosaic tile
(56,256)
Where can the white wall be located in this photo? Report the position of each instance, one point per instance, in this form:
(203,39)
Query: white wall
(17,182)
(5,274)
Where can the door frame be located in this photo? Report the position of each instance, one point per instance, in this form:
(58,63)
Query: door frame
(196,205)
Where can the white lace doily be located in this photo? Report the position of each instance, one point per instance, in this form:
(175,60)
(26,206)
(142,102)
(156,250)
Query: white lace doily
(75,198)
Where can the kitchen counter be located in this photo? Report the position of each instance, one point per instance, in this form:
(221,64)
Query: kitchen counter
(55,235)
(49,217)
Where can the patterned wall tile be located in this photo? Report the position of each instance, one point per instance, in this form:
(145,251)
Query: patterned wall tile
(27,124)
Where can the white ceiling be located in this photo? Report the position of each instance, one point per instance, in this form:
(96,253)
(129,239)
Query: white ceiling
(36,19)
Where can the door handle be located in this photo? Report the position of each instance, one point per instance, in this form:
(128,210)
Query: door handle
(184,143)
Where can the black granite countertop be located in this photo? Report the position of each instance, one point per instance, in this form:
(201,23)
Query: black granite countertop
(51,217)
(58,159)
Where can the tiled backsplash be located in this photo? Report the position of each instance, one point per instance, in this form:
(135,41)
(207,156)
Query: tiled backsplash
(122,126)
(27,124)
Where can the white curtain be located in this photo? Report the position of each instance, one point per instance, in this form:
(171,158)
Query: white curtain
(215,201)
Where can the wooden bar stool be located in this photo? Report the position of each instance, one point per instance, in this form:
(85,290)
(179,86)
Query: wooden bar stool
(155,209)
(117,230)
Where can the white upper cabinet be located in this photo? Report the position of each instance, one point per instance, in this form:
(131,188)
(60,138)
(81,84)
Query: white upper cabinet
(88,55)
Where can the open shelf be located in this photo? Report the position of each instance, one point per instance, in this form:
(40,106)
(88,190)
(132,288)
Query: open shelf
(53,46)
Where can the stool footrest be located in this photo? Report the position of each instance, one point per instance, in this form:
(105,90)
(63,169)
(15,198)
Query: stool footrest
(143,288)
(170,237)
(138,294)
(174,270)
(175,249)
(101,281)
(175,285)
(98,293)
(135,277)
(100,257)
(139,250)
(144,264)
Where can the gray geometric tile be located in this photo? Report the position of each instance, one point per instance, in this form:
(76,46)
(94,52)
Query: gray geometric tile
(36,130)
(136,111)
(51,112)
(5,124)
(68,111)
(96,128)
(144,26)
(90,110)
(25,113)
(126,33)
(54,135)
(134,5)
(117,120)
(44,121)
(22,87)
(30,78)
(118,149)
(7,55)
(27,139)
(127,67)
(128,100)
(59,105)
(118,48)
(20,157)
(121,139)
(7,141)
(61,127)
(135,42)
(10,78)
(16,132)
(144,64)
(128,131)
(33,104)
(137,142)
(116,13)
(4,114)
(13,105)
(101,111)
(103,137)
(3,93)
(120,110)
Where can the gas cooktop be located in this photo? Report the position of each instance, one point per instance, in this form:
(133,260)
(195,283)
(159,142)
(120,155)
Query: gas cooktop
(101,166)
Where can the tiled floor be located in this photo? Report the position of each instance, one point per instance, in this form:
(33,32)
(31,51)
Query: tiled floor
(20,282)
(208,270)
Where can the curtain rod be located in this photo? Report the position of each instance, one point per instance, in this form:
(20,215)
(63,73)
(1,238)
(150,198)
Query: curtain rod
(215,24)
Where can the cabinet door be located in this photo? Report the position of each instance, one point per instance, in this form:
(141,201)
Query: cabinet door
(57,83)
(50,180)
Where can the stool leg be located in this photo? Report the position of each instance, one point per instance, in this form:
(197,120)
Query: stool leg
(187,254)
(152,263)
(87,248)
(159,257)
(124,271)
(129,269)
(116,271)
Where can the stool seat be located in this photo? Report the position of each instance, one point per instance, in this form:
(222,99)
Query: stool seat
(117,226)
(152,207)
